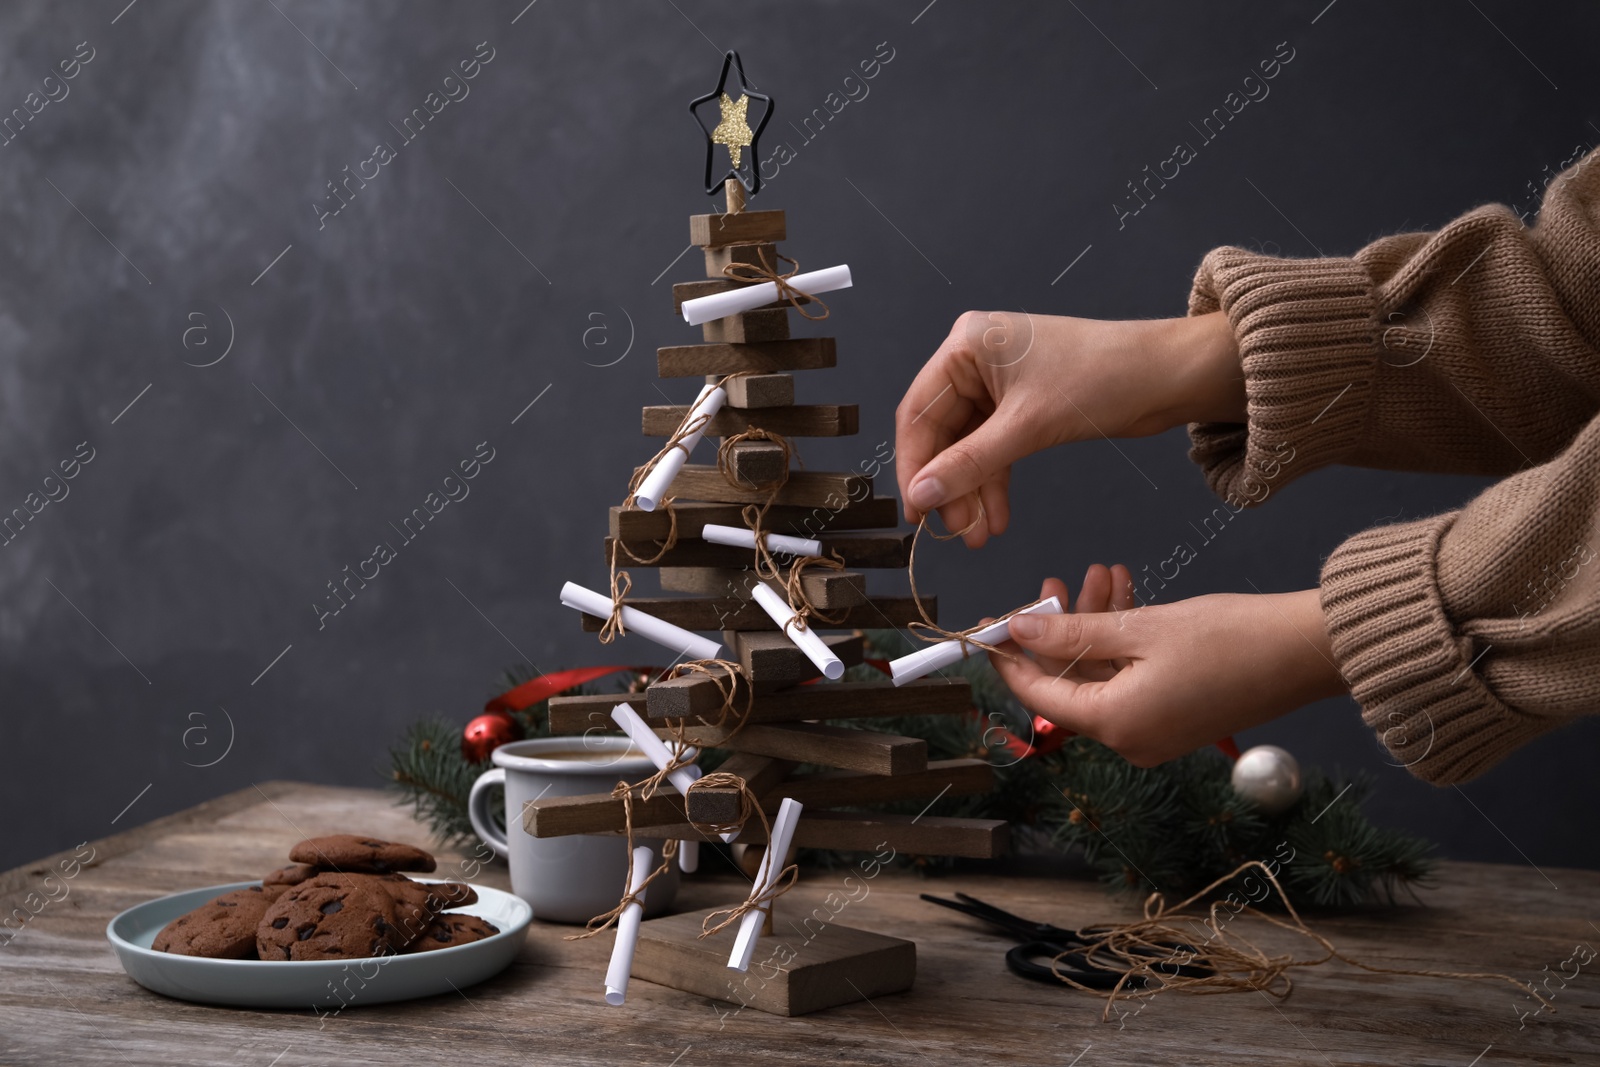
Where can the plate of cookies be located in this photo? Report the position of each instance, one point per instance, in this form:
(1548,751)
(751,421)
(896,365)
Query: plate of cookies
(345,924)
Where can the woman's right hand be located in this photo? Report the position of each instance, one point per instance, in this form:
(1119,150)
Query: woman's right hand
(1003,386)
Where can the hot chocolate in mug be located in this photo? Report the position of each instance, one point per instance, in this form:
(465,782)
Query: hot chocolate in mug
(565,879)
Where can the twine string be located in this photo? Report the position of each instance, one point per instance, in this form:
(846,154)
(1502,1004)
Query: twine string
(765,271)
(760,897)
(725,675)
(621,581)
(669,851)
(1152,949)
(927,629)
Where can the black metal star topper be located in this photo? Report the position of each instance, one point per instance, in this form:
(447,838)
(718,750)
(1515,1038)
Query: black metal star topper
(733,129)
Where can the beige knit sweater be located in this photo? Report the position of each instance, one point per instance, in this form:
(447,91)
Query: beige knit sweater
(1474,349)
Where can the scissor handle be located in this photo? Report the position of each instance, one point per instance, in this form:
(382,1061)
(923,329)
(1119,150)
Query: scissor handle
(1023,962)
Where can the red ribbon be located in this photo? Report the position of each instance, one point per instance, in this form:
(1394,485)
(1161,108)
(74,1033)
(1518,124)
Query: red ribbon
(542,688)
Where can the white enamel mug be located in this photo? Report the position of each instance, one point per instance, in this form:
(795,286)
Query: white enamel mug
(565,879)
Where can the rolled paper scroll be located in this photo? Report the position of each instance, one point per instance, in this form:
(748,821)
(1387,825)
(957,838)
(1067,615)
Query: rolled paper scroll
(628,930)
(739,537)
(675,638)
(744,944)
(656,751)
(659,480)
(941,655)
(749,297)
(831,666)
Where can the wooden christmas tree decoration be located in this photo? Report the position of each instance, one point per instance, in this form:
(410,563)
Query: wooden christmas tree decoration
(789,625)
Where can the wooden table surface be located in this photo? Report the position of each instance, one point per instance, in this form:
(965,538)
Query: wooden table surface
(64,998)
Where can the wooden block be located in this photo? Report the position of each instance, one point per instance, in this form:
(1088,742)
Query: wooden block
(825,746)
(870,513)
(875,549)
(704,482)
(744,614)
(682,291)
(746,227)
(748,327)
(827,590)
(859,831)
(601,813)
(808,964)
(719,805)
(832,590)
(697,699)
(798,353)
(799,420)
(591,712)
(761,391)
(847,789)
(759,254)
(696,695)
(771,659)
(725,582)
(693,697)
(758,463)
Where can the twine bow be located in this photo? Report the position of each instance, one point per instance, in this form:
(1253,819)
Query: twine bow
(760,897)
(927,629)
(766,272)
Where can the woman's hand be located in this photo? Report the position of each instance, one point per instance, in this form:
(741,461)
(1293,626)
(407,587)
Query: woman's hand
(1003,386)
(1158,681)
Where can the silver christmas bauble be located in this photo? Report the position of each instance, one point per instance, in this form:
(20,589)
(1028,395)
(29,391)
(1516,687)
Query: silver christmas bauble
(1269,776)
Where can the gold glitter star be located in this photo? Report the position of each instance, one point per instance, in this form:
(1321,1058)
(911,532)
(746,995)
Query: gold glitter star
(733,130)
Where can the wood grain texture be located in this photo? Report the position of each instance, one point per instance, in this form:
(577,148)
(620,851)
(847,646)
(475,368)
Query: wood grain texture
(817,489)
(698,700)
(728,613)
(761,391)
(857,831)
(757,254)
(872,513)
(825,746)
(745,227)
(798,353)
(801,420)
(748,327)
(694,696)
(757,463)
(721,805)
(599,813)
(63,998)
(772,660)
(791,974)
(873,549)
(825,589)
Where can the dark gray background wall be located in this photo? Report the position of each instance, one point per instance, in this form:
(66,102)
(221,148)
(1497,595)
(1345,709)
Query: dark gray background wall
(172,190)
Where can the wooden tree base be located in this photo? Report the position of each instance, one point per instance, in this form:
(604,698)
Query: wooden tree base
(804,966)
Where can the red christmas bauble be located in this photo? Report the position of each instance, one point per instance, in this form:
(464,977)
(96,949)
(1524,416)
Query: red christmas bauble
(486,733)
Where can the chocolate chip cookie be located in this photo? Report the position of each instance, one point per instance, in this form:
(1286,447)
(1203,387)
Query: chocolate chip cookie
(364,855)
(447,931)
(339,916)
(223,929)
(421,902)
(293,874)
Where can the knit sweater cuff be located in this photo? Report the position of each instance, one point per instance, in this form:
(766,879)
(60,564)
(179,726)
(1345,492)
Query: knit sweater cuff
(1405,664)
(1306,340)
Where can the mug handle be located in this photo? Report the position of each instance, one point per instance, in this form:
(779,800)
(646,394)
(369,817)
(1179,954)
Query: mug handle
(478,810)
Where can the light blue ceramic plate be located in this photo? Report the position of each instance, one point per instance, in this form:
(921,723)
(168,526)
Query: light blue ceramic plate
(322,984)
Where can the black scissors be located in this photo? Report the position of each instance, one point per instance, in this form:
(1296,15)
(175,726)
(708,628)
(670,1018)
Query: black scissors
(1064,949)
